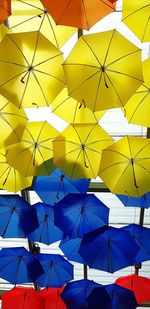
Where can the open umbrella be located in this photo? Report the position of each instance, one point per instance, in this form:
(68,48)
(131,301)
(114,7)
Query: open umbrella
(54,187)
(32,71)
(5,10)
(109,249)
(22,297)
(34,148)
(81,13)
(78,214)
(131,201)
(107,73)
(125,166)
(77,150)
(136,16)
(70,248)
(17,265)
(17,217)
(139,285)
(57,270)
(30,15)
(52,298)
(47,232)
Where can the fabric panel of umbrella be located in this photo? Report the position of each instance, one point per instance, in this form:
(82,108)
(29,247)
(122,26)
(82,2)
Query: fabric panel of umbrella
(3,31)
(47,232)
(107,73)
(17,217)
(70,248)
(30,15)
(32,69)
(125,166)
(130,201)
(5,10)
(52,298)
(33,150)
(77,150)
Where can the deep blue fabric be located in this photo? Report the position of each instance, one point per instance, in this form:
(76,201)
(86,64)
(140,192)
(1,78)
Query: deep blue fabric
(142,201)
(70,249)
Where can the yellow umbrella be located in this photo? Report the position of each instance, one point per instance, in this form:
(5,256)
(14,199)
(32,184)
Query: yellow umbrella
(125,166)
(136,15)
(3,31)
(73,111)
(12,122)
(103,70)
(30,15)
(32,73)
(10,178)
(34,149)
(137,109)
(77,150)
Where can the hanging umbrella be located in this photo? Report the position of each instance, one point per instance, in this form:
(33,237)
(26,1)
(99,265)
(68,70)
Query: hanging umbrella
(107,73)
(75,293)
(77,150)
(5,10)
(73,111)
(137,108)
(108,249)
(125,166)
(10,178)
(22,297)
(81,14)
(17,217)
(139,285)
(34,148)
(78,214)
(32,71)
(12,121)
(118,297)
(17,265)
(57,270)
(47,232)
(136,16)
(52,298)
(70,248)
(142,201)
(54,187)
(30,15)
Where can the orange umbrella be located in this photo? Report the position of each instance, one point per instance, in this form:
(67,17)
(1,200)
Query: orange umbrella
(5,10)
(80,13)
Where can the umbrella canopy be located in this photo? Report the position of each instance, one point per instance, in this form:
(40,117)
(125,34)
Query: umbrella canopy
(47,232)
(34,148)
(53,188)
(77,150)
(139,285)
(73,111)
(109,249)
(17,217)
(5,10)
(117,297)
(125,166)
(33,71)
(30,15)
(107,73)
(81,14)
(12,122)
(52,298)
(70,248)
(21,297)
(75,293)
(17,265)
(137,108)
(142,201)
(78,214)
(136,17)
(57,270)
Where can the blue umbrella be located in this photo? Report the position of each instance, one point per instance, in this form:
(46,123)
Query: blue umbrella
(75,293)
(78,214)
(142,201)
(47,232)
(17,217)
(17,265)
(57,270)
(118,298)
(51,189)
(70,247)
(141,236)
(108,249)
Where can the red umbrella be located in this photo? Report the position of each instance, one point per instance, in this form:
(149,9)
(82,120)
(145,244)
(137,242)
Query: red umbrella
(52,298)
(20,297)
(5,10)
(139,285)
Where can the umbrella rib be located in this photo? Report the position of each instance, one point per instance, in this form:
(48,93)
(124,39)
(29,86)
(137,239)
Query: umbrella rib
(35,50)
(15,63)
(148,20)
(40,131)
(7,122)
(52,57)
(143,167)
(132,164)
(125,74)
(40,88)
(99,141)
(71,142)
(84,9)
(9,80)
(32,5)
(97,90)
(122,57)
(50,75)
(92,53)
(121,176)
(2,7)
(114,164)
(138,152)
(12,114)
(90,131)
(141,101)
(25,88)
(63,12)
(134,12)
(74,166)
(19,49)
(86,155)
(108,48)
(24,22)
(114,88)
(52,29)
